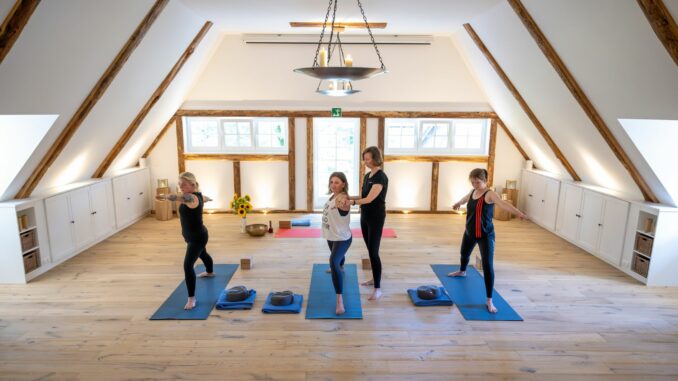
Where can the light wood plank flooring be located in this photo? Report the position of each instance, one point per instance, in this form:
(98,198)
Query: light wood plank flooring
(88,318)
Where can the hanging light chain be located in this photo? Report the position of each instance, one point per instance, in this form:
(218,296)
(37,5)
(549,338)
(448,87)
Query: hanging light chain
(322,34)
(371,36)
(329,44)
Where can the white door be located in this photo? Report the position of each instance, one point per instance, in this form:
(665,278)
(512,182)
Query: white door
(550,203)
(59,226)
(569,212)
(82,217)
(590,226)
(142,191)
(100,203)
(613,230)
(525,192)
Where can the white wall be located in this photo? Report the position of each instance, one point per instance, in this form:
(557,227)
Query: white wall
(58,58)
(125,97)
(163,161)
(409,185)
(216,181)
(266,182)
(453,182)
(508,163)
(418,75)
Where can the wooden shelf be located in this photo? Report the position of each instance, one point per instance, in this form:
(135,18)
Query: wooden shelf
(647,234)
(649,258)
(31,249)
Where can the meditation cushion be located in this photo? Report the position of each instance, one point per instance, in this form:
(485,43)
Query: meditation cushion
(428,292)
(282,298)
(237,294)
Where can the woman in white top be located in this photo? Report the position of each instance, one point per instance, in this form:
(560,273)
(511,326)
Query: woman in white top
(337,232)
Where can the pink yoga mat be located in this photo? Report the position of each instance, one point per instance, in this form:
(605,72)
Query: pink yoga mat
(316,233)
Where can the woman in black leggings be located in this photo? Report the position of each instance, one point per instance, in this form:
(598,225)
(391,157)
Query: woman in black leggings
(373,213)
(194,233)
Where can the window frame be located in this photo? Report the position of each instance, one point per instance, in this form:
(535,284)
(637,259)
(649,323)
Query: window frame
(419,150)
(254,148)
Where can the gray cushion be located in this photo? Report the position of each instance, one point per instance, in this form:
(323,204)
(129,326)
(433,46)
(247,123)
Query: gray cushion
(237,294)
(282,298)
(428,292)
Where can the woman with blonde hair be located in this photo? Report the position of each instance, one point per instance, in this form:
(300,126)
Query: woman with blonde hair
(193,231)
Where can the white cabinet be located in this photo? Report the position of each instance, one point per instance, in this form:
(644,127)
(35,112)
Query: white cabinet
(131,197)
(541,198)
(593,221)
(78,218)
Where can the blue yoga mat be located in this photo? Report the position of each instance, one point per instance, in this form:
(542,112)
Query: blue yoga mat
(207,291)
(293,308)
(468,293)
(301,222)
(322,298)
(247,304)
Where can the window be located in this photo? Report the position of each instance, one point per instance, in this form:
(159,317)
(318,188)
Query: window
(436,137)
(335,143)
(236,135)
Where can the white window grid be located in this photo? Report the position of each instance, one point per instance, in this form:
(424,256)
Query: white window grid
(244,138)
(451,146)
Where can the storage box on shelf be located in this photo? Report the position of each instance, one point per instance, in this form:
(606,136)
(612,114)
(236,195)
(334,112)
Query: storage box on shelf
(23,233)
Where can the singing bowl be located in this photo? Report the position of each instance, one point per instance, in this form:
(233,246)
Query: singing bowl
(256,230)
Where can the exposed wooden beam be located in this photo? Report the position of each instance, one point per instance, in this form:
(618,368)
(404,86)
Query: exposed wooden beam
(651,6)
(236,178)
(442,159)
(235,157)
(513,139)
(663,24)
(363,145)
(91,100)
(291,162)
(380,134)
(157,138)
(309,163)
(346,114)
(180,143)
(342,25)
(14,24)
(491,154)
(157,94)
(500,72)
(435,169)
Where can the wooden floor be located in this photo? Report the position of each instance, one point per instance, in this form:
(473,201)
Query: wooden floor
(88,318)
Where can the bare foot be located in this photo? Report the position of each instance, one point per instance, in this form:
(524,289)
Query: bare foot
(376,294)
(190,304)
(491,307)
(340,310)
(368,283)
(206,275)
(457,273)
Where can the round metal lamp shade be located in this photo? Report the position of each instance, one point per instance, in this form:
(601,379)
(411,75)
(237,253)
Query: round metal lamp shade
(340,73)
(338,93)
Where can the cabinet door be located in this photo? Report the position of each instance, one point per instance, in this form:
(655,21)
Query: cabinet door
(590,226)
(100,204)
(82,217)
(141,186)
(59,226)
(122,199)
(569,212)
(549,206)
(526,192)
(615,214)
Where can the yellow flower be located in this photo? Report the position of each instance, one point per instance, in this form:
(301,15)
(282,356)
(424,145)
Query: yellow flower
(248,206)
(232,204)
(242,212)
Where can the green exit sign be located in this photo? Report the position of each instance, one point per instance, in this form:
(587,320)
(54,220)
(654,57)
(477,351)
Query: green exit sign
(336,112)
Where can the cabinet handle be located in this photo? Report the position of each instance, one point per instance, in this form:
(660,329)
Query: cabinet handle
(542,200)
(128,198)
(530,195)
(578,215)
(72,222)
(141,193)
(93,213)
(600,224)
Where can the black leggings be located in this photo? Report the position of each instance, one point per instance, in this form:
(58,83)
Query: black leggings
(372,224)
(195,250)
(337,259)
(486,246)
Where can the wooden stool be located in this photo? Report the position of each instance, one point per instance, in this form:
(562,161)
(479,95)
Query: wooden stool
(285,224)
(367,265)
(246,263)
(163,209)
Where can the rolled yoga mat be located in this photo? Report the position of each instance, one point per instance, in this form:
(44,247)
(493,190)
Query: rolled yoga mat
(207,291)
(322,301)
(468,293)
(317,233)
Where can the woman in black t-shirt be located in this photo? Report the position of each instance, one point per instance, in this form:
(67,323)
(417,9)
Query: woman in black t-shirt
(373,212)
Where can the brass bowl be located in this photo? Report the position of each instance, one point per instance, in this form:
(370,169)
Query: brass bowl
(256,230)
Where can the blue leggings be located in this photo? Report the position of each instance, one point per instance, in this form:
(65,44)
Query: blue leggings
(337,259)
(486,246)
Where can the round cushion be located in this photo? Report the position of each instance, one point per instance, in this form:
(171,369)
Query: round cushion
(428,292)
(237,294)
(282,298)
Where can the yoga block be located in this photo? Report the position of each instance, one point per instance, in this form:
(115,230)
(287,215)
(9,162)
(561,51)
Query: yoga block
(285,224)
(367,265)
(502,215)
(246,263)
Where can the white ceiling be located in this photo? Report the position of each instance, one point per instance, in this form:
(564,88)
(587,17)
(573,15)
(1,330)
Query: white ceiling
(403,16)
